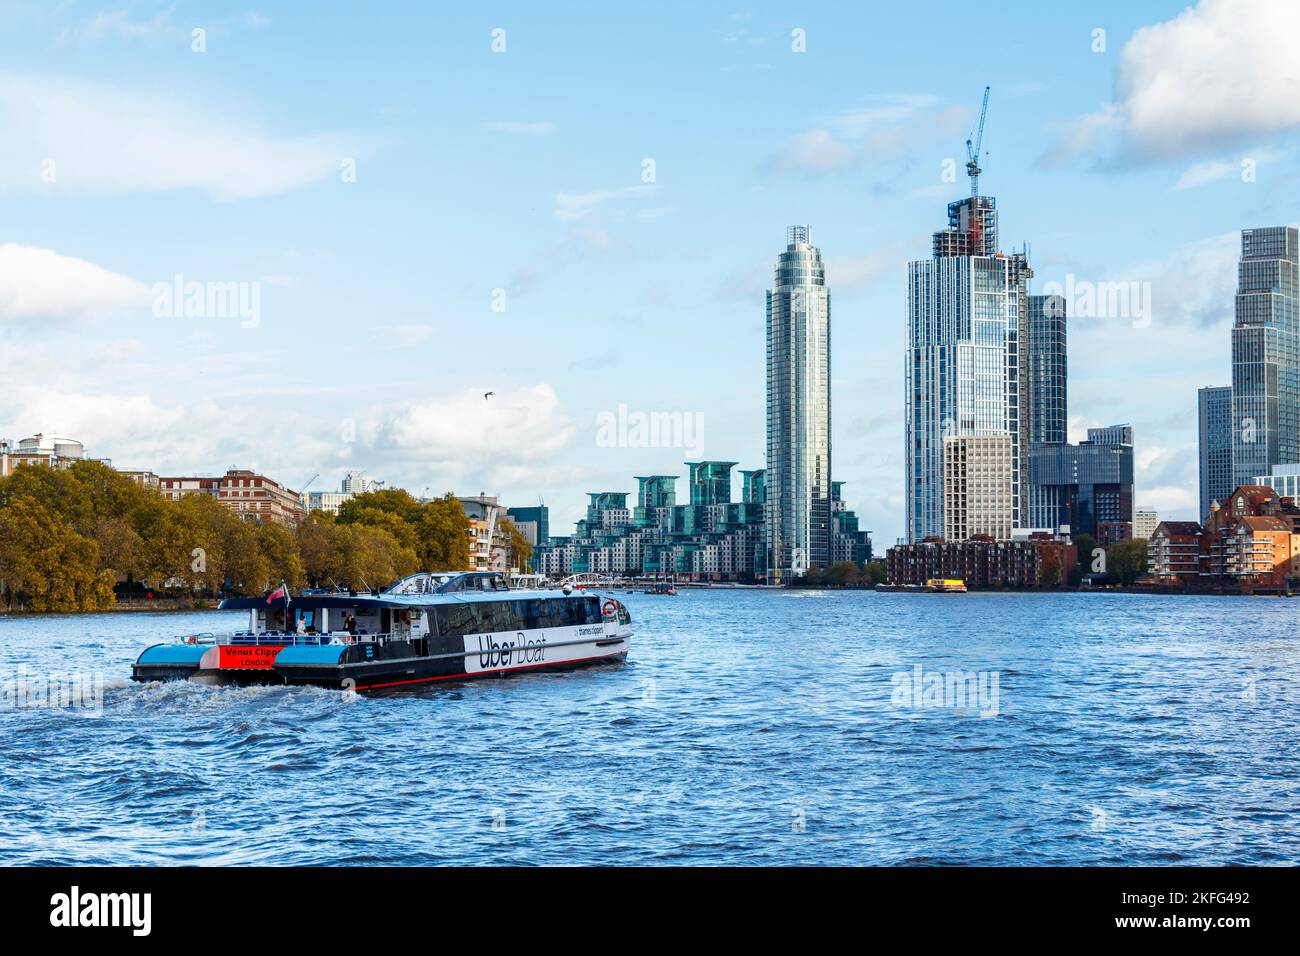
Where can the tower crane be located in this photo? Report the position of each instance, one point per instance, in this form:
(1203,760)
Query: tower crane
(973,149)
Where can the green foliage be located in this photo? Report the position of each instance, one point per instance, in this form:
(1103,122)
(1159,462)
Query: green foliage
(1086,545)
(67,536)
(875,572)
(433,536)
(44,560)
(443,541)
(521,552)
(1127,560)
(1050,572)
(846,574)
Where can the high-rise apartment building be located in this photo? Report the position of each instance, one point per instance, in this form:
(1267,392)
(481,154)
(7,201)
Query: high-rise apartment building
(1214,413)
(1047,371)
(1266,353)
(967,357)
(798,475)
(978,484)
(1145,522)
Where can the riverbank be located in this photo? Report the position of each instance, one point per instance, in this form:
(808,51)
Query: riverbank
(178,605)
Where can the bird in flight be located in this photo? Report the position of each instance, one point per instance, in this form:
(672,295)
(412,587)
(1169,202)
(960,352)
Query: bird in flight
(487,395)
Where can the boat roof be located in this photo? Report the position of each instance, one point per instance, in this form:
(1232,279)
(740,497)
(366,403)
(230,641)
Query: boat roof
(410,592)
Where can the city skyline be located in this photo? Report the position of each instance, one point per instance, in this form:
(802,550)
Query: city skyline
(623,283)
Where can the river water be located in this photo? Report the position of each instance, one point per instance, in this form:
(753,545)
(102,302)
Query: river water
(745,728)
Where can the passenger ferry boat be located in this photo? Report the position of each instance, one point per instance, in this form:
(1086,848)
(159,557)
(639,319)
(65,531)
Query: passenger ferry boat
(427,627)
(662,588)
(946,585)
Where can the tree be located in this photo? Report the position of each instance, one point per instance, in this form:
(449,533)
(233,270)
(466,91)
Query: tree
(843,573)
(442,535)
(278,547)
(520,551)
(1127,560)
(875,572)
(121,550)
(394,501)
(46,564)
(1050,572)
(317,537)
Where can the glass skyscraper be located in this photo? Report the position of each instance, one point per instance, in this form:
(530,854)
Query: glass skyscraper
(1047,369)
(798,475)
(967,345)
(1086,486)
(1214,413)
(1266,353)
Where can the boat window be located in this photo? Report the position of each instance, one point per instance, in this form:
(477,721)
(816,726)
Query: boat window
(457,619)
(537,614)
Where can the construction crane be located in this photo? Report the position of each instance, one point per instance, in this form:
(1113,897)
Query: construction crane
(973,149)
(308,485)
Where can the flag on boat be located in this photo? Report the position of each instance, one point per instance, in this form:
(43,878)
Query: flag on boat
(281,592)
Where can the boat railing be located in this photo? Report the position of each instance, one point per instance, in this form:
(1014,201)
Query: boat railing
(292,638)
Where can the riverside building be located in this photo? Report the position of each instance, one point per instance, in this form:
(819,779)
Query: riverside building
(713,538)
(797,520)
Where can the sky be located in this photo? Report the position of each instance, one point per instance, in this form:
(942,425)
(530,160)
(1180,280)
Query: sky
(391,210)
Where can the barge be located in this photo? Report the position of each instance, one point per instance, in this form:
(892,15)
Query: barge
(425,628)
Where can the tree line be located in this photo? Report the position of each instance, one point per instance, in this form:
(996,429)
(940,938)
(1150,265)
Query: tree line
(71,539)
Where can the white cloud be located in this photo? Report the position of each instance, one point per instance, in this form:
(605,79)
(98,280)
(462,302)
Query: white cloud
(40,285)
(459,442)
(883,126)
(1220,74)
(573,206)
(108,141)
(848,272)
(514,424)
(1215,170)
(1202,173)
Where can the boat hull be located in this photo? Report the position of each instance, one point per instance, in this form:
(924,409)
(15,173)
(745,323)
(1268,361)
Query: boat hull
(371,667)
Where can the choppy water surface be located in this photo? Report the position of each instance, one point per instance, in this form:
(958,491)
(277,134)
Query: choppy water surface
(747,728)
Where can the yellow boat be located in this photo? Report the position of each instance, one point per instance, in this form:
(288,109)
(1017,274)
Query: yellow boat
(946,585)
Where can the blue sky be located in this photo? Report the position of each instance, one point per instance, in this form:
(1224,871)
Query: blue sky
(516,178)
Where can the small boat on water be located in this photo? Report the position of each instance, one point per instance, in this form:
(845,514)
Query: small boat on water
(426,627)
(946,585)
(932,586)
(665,588)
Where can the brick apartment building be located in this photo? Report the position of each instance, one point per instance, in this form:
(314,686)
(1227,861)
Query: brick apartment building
(982,562)
(252,496)
(1250,542)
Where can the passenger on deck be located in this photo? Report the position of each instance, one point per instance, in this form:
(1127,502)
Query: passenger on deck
(350,624)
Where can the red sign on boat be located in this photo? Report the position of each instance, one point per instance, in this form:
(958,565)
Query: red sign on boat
(244,658)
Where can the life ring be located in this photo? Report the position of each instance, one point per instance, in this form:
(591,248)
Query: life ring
(350,639)
(405,617)
(609,609)
(191,639)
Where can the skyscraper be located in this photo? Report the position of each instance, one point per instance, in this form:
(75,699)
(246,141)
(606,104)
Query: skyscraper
(1266,353)
(1086,486)
(1047,369)
(798,474)
(967,349)
(1214,412)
